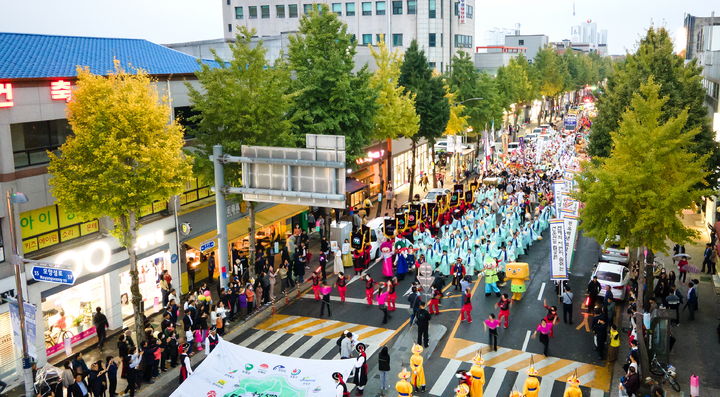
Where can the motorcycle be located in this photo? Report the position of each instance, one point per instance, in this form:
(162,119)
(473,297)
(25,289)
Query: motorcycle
(667,371)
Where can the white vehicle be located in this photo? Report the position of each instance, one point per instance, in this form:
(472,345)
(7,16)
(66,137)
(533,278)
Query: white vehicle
(441,146)
(377,235)
(531,136)
(513,146)
(431,196)
(611,251)
(537,131)
(613,275)
(545,127)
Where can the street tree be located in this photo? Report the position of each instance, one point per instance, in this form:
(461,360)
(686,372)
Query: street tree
(242,101)
(430,102)
(639,191)
(515,85)
(123,155)
(679,81)
(549,72)
(330,98)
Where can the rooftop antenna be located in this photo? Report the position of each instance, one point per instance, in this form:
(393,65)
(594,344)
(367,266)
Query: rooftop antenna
(573,7)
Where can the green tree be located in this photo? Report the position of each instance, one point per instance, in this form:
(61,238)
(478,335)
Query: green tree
(515,85)
(679,81)
(639,191)
(243,101)
(430,102)
(330,98)
(124,155)
(550,74)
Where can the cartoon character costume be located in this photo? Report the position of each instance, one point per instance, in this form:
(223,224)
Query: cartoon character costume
(518,273)
(416,367)
(403,387)
(573,389)
(531,388)
(386,248)
(478,376)
(491,277)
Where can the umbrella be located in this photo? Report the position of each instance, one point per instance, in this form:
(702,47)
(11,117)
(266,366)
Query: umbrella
(683,255)
(692,269)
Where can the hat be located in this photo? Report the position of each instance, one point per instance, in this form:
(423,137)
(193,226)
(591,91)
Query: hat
(360,347)
(337,375)
(573,380)
(184,347)
(462,390)
(417,349)
(404,374)
(532,371)
(478,360)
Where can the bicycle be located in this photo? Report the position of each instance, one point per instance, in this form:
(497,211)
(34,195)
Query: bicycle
(56,338)
(667,371)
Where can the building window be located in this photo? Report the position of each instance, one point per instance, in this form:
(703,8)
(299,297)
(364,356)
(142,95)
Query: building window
(280,11)
(432,11)
(463,41)
(379,37)
(238,13)
(412,7)
(469,12)
(229,27)
(227,2)
(367,39)
(31,141)
(379,8)
(292,11)
(367,8)
(432,40)
(432,65)
(397,39)
(521,42)
(252,10)
(265,12)
(337,8)
(457,8)
(350,9)
(353,38)
(397,7)
(307,8)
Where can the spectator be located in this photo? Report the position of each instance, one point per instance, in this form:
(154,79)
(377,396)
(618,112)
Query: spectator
(101,324)
(384,368)
(79,388)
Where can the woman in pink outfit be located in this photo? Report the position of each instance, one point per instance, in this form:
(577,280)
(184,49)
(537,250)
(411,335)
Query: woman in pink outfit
(544,329)
(387,252)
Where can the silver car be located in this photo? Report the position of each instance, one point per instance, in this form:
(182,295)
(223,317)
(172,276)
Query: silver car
(611,251)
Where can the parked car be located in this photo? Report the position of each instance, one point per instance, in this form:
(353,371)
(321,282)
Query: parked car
(431,196)
(614,275)
(537,131)
(611,251)
(513,146)
(531,136)
(377,235)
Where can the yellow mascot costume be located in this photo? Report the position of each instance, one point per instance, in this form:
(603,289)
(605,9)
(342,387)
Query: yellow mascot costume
(403,387)
(532,383)
(518,273)
(573,389)
(462,390)
(478,376)
(515,393)
(416,367)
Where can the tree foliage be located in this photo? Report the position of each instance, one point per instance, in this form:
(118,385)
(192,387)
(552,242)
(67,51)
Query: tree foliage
(680,82)
(124,155)
(457,123)
(243,101)
(330,98)
(637,192)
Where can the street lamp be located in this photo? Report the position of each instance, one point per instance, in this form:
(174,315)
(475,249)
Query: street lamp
(468,100)
(17,261)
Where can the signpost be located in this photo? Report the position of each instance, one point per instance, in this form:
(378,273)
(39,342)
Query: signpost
(425,277)
(208,245)
(52,274)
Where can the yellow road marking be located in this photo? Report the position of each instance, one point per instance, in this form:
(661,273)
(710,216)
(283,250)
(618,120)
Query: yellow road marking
(307,325)
(351,329)
(554,367)
(271,320)
(371,333)
(536,358)
(581,370)
(325,329)
(502,357)
(285,324)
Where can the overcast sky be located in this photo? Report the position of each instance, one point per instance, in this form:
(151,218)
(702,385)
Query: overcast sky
(168,21)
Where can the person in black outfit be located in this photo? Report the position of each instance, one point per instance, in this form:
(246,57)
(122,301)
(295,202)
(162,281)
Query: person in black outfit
(708,260)
(101,324)
(325,302)
(600,329)
(79,388)
(96,379)
(191,275)
(111,367)
(423,322)
(593,289)
(211,267)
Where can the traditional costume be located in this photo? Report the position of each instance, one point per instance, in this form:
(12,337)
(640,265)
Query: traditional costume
(478,376)
(361,368)
(416,367)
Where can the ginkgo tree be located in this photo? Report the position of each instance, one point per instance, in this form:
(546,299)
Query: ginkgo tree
(124,154)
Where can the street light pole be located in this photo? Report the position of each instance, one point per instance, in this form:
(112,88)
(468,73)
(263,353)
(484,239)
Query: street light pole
(17,262)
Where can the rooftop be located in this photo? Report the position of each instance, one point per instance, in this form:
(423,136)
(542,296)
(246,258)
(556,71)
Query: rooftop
(38,56)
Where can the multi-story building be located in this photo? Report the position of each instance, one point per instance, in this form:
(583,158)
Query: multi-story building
(531,42)
(587,38)
(488,59)
(441,27)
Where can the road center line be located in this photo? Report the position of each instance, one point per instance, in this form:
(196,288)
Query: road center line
(527,340)
(542,289)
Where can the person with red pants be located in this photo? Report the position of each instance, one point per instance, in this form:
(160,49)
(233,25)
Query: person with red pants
(366,257)
(466,307)
(434,306)
(392,295)
(504,306)
(341,285)
(315,279)
(358,261)
(369,289)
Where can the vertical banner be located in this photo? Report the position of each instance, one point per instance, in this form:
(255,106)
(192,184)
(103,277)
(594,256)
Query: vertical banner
(461,11)
(558,193)
(570,224)
(486,149)
(29,326)
(557,250)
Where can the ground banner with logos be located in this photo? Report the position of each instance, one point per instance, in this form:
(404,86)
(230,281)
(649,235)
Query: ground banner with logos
(236,371)
(558,251)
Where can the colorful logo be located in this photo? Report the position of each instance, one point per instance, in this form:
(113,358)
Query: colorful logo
(211,393)
(307,379)
(232,372)
(279,368)
(264,366)
(221,382)
(317,389)
(295,372)
(249,366)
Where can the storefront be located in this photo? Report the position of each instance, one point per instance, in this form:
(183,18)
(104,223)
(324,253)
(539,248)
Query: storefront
(372,170)
(102,277)
(402,162)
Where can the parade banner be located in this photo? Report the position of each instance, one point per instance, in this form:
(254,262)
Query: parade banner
(558,251)
(570,223)
(423,212)
(401,221)
(441,203)
(412,216)
(432,209)
(558,194)
(469,196)
(236,371)
(389,227)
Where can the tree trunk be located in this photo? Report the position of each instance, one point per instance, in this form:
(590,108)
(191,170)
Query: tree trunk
(251,231)
(642,346)
(128,224)
(542,109)
(412,170)
(434,165)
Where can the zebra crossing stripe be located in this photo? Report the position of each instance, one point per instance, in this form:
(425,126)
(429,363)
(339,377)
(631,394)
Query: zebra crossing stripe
(249,340)
(286,344)
(369,334)
(329,327)
(445,377)
(305,327)
(269,341)
(284,323)
(501,357)
(596,393)
(324,349)
(520,380)
(520,357)
(567,368)
(546,387)
(303,321)
(274,319)
(493,387)
(306,346)
(336,333)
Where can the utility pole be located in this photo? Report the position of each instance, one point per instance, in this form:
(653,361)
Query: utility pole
(221,214)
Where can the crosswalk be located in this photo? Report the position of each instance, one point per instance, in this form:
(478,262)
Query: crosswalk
(500,382)
(518,361)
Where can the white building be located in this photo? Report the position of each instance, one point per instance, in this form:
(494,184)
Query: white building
(587,38)
(531,42)
(441,27)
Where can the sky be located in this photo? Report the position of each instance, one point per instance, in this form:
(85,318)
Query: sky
(171,21)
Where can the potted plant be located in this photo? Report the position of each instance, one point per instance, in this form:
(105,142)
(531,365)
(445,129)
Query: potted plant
(77,323)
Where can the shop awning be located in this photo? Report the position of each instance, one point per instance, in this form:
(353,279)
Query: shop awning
(239,228)
(353,185)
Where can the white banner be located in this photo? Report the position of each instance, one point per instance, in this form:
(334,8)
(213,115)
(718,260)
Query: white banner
(557,250)
(570,223)
(235,371)
(461,11)
(558,194)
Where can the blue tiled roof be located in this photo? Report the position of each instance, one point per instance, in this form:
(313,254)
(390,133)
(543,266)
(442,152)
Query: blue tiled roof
(42,56)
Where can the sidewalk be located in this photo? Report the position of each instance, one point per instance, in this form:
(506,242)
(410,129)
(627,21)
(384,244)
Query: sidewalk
(696,346)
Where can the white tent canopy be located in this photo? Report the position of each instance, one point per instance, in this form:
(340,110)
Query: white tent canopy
(235,371)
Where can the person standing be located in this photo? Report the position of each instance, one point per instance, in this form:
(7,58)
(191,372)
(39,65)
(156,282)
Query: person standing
(692,300)
(79,388)
(369,289)
(593,290)
(417,369)
(101,324)
(434,306)
(682,268)
(346,345)
(466,309)
(567,301)
(185,367)
(111,364)
(504,306)
(382,297)
(341,285)
(708,259)
(423,323)
(491,325)
(600,329)
(614,343)
(544,329)
(361,368)
(341,389)
(383,367)
(388,196)
(325,290)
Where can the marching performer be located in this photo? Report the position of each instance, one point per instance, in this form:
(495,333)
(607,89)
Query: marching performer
(478,376)
(531,388)
(416,366)
(403,387)
(361,368)
(341,389)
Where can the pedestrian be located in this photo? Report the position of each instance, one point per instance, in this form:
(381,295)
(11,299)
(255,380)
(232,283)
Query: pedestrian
(283,274)
(111,365)
(134,360)
(325,290)
(630,382)
(361,368)
(504,308)
(341,285)
(322,259)
(392,294)
(614,343)
(423,323)
(600,330)
(567,301)
(341,389)
(272,275)
(682,268)
(346,345)
(692,300)
(466,307)
(389,196)
(434,306)
(185,367)
(382,296)
(593,290)
(97,382)
(211,267)
(212,340)
(369,289)
(67,377)
(551,317)
(101,324)
(491,325)
(383,367)
(79,388)
(544,329)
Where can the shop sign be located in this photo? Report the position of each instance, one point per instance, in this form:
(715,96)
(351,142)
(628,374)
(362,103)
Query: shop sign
(461,11)
(51,225)
(93,258)
(371,156)
(6,95)
(149,239)
(208,245)
(51,274)
(60,90)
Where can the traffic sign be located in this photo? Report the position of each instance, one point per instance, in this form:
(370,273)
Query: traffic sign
(53,275)
(208,245)
(425,277)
